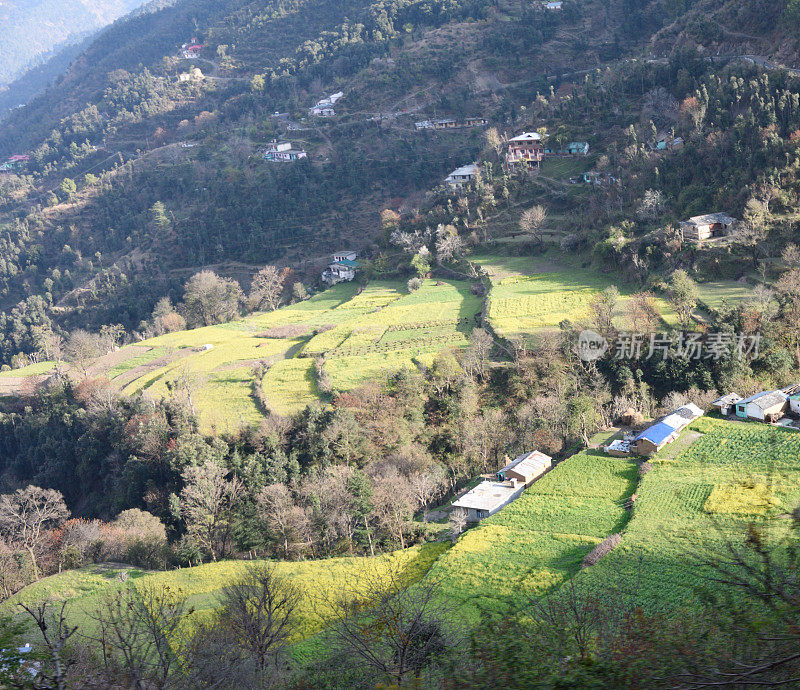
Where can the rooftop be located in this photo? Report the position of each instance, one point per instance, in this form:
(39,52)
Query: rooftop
(656,434)
(465,170)
(769,399)
(528,463)
(527,136)
(727,399)
(710,218)
(488,495)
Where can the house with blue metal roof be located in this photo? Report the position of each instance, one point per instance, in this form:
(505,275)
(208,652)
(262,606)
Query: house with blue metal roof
(654,438)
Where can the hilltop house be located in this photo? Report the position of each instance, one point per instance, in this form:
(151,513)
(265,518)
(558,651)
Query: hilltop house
(527,468)
(525,148)
(342,269)
(707,226)
(283,151)
(463,175)
(727,403)
(488,497)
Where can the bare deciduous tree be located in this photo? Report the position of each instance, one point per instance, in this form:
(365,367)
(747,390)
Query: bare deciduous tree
(266,290)
(55,633)
(27,513)
(260,612)
(138,627)
(391,625)
(531,222)
(287,520)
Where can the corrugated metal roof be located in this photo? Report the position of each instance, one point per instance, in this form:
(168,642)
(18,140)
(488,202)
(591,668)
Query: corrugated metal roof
(770,399)
(658,433)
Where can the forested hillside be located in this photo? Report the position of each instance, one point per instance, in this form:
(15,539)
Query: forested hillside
(33,30)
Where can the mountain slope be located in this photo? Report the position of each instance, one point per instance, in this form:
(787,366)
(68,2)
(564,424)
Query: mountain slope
(35,29)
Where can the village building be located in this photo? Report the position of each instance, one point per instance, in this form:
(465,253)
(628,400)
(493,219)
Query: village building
(14,162)
(345,256)
(194,74)
(341,269)
(553,5)
(595,177)
(705,227)
(525,148)
(794,404)
(450,124)
(665,430)
(619,448)
(324,106)
(283,151)
(653,439)
(192,51)
(769,407)
(463,176)
(574,148)
(727,403)
(488,497)
(668,143)
(527,468)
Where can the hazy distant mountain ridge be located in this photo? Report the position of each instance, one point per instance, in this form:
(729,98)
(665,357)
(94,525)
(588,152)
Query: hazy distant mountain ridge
(34,29)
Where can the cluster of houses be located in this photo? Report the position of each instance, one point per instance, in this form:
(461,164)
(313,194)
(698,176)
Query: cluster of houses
(771,407)
(529,147)
(451,124)
(508,484)
(14,162)
(191,49)
(659,434)
(283,151)
(324,107)
(342,268)
(594,177)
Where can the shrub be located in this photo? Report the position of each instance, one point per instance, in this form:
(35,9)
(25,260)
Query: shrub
(414,284)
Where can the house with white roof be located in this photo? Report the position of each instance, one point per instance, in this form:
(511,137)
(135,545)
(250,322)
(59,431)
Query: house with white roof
(487,498)
(525,148)
(726,404)
(463,176)
(283,151)
(707,226)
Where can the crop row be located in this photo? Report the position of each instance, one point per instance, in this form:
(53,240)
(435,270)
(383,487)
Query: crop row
(389,347)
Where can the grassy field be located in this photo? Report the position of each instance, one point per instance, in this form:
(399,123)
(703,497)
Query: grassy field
(712,294)
(530,295)
(696,500)
(202,585)
(30,370)
(538,542)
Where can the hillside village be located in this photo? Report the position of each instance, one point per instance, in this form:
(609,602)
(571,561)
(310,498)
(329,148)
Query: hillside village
(433,346)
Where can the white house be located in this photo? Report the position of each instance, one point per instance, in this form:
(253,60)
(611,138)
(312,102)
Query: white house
(794,404)
(463,175)
(283,151)
(342,269)
(487,498)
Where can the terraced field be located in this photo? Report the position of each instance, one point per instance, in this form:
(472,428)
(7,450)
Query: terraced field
(691,505)
(361,334)
(538,542)
(531,295)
